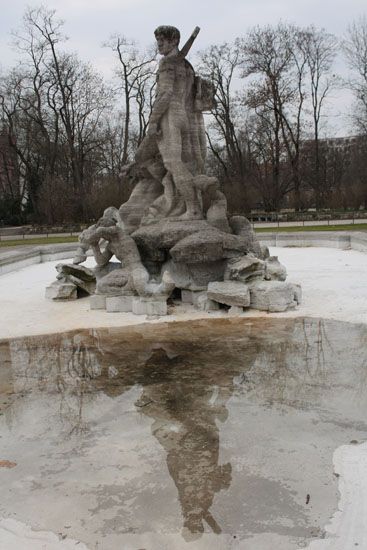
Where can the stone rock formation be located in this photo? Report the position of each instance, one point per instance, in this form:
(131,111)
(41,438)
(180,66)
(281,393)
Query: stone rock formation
(174,231)
(71,281)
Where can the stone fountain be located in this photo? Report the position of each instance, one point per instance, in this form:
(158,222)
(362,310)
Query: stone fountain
(174,234)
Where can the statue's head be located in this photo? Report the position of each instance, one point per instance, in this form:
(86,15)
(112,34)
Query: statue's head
(168,38)
(111,213)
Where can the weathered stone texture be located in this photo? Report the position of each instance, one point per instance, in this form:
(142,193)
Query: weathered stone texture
(195,276)
(97,301)
(82,277)
(273,296)
(274,270)
(203,303)
(59,290)
(156,307)
(208,246)
(119,303)
(139,307)
(235,311)
(245,268)
(231,293)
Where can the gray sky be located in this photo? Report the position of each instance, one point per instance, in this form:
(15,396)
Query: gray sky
(90,22)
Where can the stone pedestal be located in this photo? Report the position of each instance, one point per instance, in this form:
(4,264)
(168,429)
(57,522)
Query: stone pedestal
(138,306)
(144,306)
(119,303)
(157,308)
(97,301)
(230,293)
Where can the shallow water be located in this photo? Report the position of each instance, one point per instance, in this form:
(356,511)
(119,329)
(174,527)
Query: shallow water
(214,432)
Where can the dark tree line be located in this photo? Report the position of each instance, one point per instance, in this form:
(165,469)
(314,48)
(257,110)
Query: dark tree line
(70,130)
(66,134)
(267,132)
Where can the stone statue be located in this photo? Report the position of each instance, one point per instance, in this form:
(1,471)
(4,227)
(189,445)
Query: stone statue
(176,132)
(174,231)
(133,277)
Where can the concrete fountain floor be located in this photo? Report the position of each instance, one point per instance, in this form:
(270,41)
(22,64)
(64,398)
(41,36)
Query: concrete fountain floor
(223,433)
(334,285)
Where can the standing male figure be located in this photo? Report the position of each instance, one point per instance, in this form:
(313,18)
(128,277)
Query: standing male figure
(171,121)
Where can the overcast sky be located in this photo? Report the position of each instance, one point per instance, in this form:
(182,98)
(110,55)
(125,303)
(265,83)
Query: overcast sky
(88,23)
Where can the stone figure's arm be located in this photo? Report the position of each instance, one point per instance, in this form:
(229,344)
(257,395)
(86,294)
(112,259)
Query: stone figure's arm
(102,258)
(166,78)
(88,236)
(107,232)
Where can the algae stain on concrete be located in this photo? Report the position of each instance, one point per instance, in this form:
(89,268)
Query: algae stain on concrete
(224,426)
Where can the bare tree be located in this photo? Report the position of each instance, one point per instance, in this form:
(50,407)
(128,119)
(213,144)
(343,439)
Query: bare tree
(320,49)
(55,103)
(355,48)
(291,70)
(293,124)
(27,140)
(268,55)
(135,72)
(357,175)
(78,95)
(227,134)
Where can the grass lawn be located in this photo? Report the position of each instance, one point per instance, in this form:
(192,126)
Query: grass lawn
(74,239)
(293,229)
(38,240)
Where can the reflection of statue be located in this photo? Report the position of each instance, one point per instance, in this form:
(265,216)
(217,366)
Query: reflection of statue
(191,439)
(185,383)
(133,276)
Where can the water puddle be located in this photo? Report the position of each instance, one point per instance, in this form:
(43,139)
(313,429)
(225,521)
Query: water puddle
(216,427)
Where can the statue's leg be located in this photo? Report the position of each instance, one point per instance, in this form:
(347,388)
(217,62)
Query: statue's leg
(163,204)
(147,150)
(140,278)
(170,147)
(192,143)
(201,138)
(114,283)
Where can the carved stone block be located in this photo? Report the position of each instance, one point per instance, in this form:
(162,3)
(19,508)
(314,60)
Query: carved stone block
(231,293)
(273,296)
(156,307)
(97,301)
(139,307)
(119,303)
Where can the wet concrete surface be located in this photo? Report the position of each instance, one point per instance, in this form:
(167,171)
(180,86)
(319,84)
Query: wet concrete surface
(208,434)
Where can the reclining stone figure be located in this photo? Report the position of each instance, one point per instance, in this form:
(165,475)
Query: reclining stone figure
(133,277)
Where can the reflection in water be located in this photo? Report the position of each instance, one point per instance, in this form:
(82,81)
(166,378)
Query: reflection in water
(184,417)
(187,374)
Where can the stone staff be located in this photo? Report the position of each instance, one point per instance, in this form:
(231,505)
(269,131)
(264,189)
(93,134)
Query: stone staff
(187,46)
